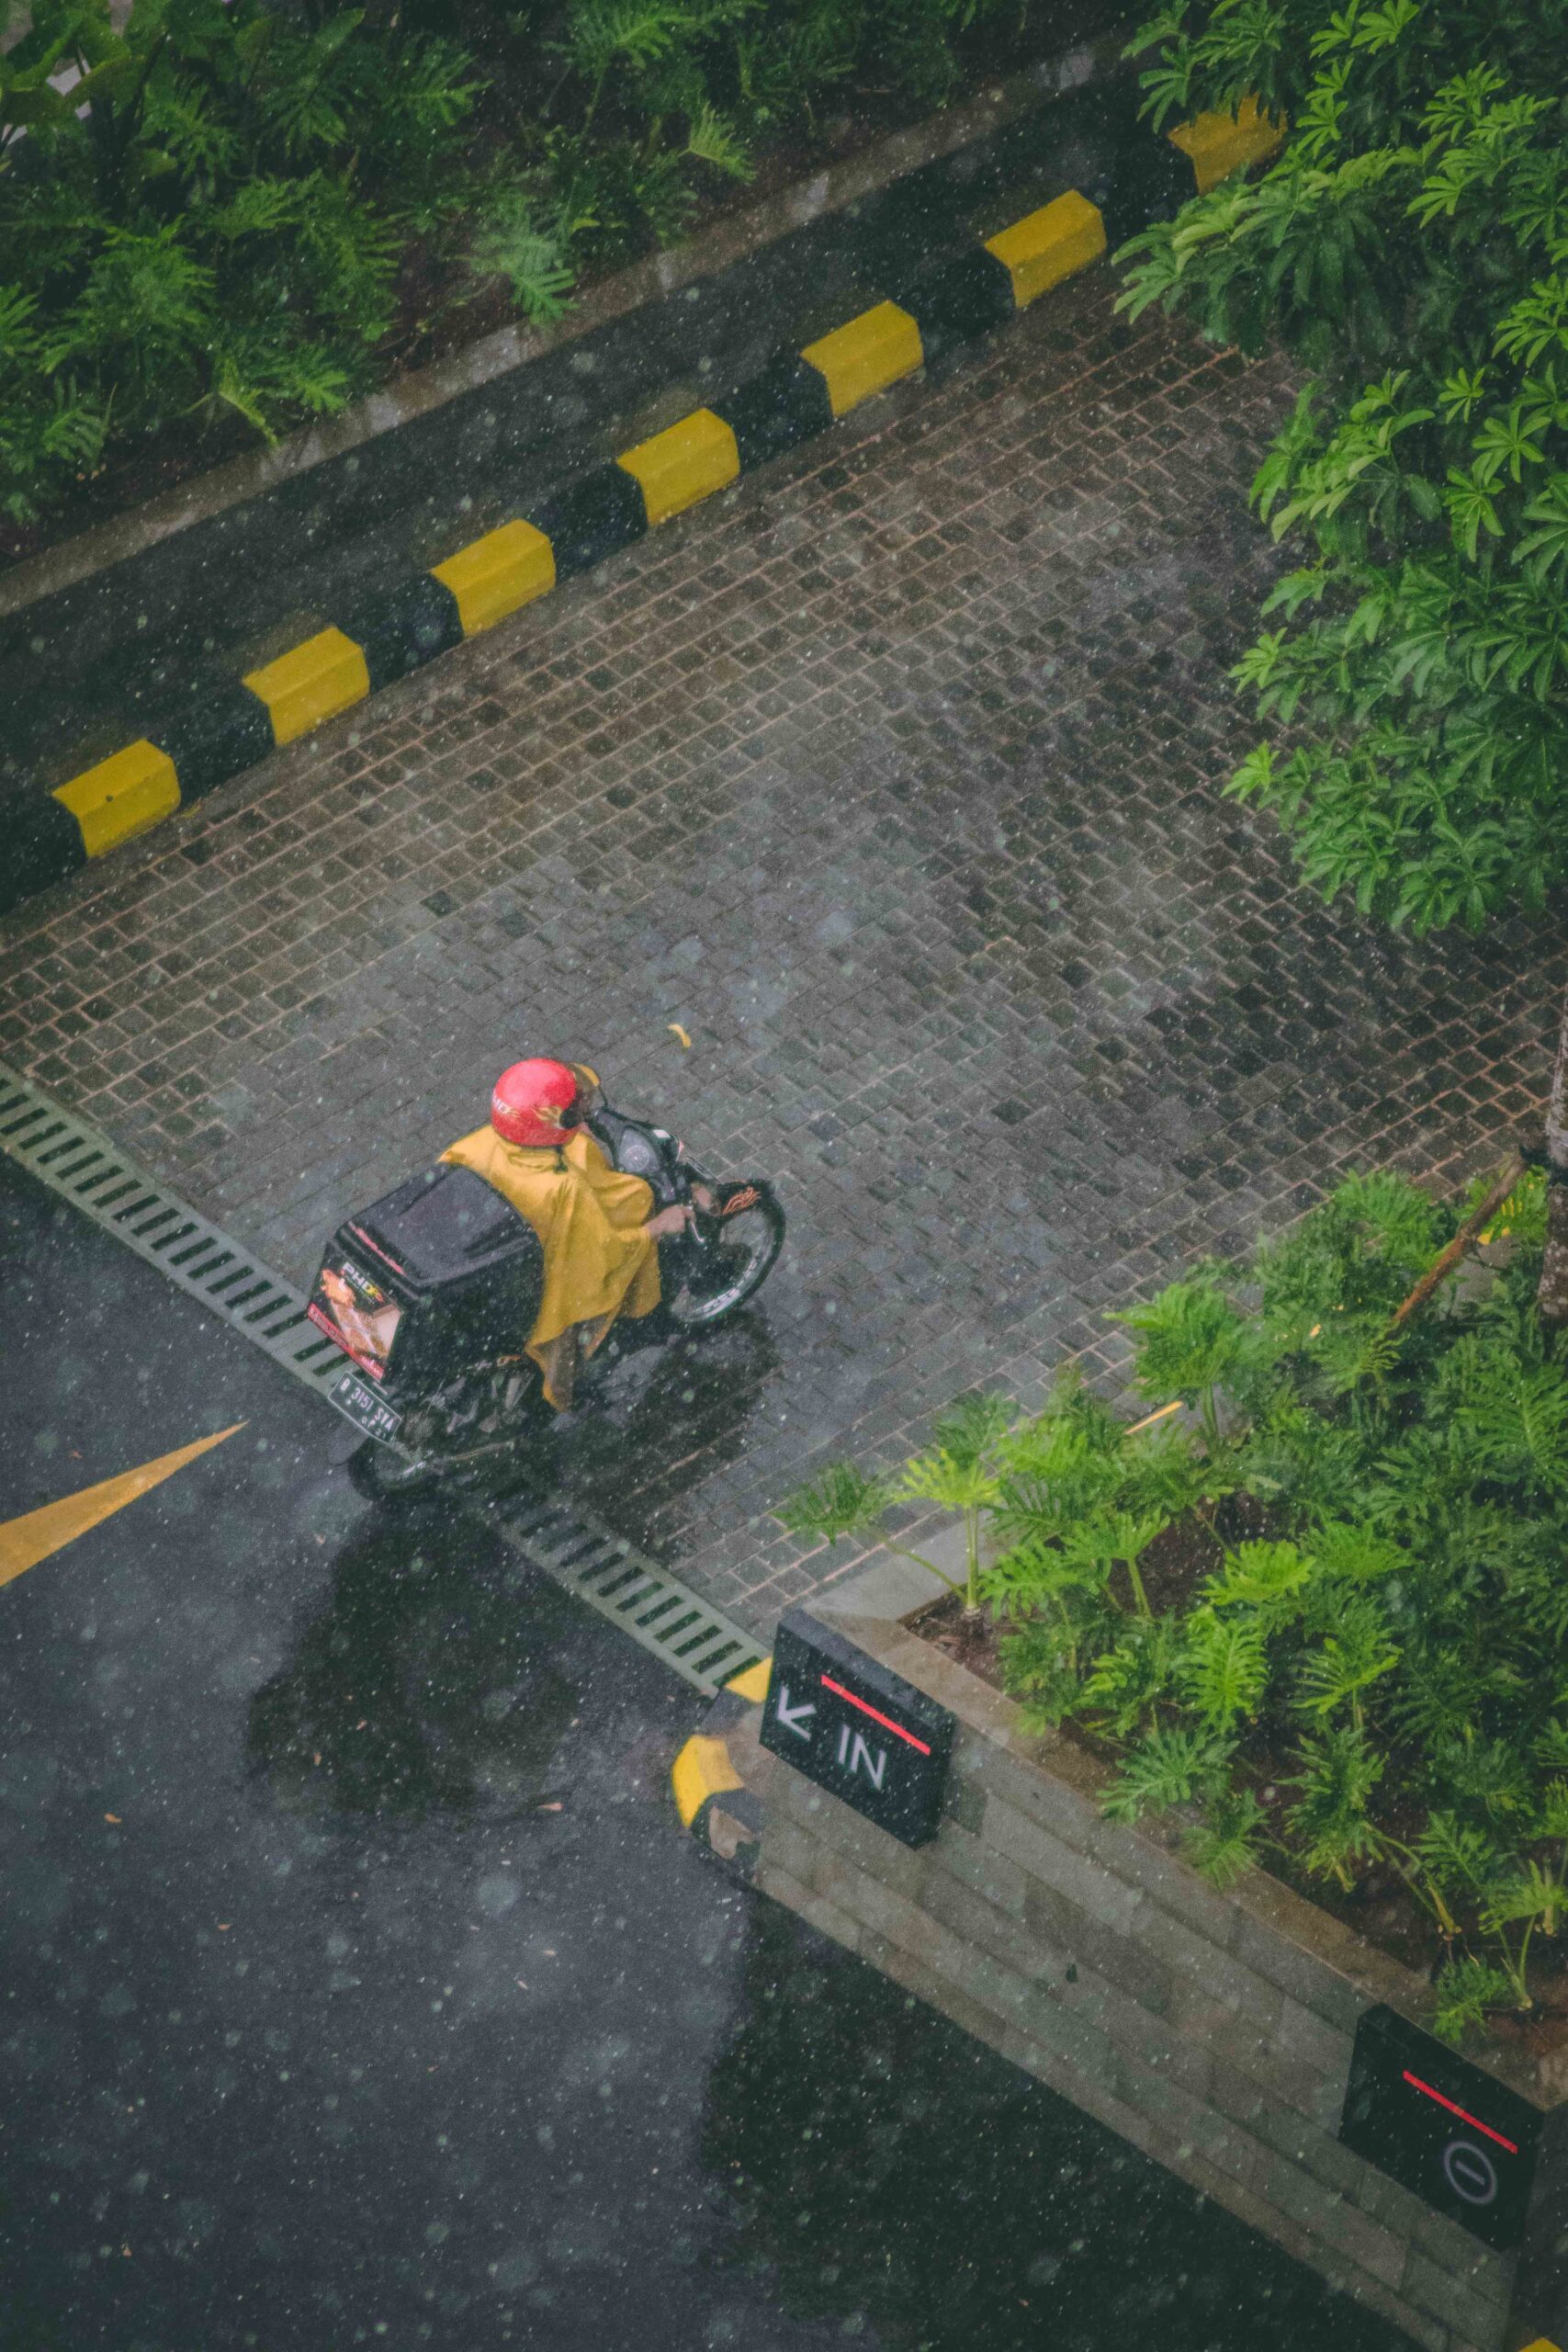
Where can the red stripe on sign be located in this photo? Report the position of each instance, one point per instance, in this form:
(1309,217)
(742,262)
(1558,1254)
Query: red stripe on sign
(1462,2112)
(886,1720)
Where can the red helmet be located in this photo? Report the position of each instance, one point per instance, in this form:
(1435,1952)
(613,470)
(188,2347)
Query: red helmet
(535,1104)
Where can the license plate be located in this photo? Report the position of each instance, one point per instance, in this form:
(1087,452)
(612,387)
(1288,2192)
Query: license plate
(365,1409)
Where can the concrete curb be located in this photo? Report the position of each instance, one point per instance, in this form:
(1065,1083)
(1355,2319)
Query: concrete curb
(196,741)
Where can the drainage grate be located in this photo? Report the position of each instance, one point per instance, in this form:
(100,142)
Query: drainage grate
(85,1168)
(692,1637)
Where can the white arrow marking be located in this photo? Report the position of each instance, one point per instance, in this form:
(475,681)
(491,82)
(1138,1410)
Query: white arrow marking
(795,1719)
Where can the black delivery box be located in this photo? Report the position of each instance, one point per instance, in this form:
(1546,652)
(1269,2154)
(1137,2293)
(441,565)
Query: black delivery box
(436,1276)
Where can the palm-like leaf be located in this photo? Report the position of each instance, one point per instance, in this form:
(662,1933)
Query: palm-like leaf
(947,1481)
(1170,1766)
(1223,1669)
(1468,1991)
(1129,1680)
(841,1500)
(711,140)
(973,1430)
(1188,1339)
(1461,1858)
(1270,1577)
(1223,1846)
(1533,1896)
(1347,1663)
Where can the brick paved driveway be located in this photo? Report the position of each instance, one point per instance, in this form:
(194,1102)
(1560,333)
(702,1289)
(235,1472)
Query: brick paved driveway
(894,779)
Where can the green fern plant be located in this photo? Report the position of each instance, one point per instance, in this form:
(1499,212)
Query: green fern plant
(1224,1668)
(1190,1338)
(533,255)
(1468,1992)
(1127,1681)
(958,1475)
(1224,1845)
(1341,1669)
(1172,1765)
(1331,1825)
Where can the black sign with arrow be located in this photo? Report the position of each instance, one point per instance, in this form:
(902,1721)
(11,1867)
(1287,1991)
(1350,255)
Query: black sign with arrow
(1441,2126)
(857,1729)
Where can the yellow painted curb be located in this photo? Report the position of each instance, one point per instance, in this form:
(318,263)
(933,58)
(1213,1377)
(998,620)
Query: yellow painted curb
(752,1686)
(1218,144)
(1044,247)
(311,682)
(688,461)
(121,795)
(701,1770)
(495,575)
(870,353)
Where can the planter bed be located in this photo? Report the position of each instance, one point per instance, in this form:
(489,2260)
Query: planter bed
(1213,2030)
(1382,1909)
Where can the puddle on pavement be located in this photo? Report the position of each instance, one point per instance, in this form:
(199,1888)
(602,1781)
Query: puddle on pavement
(417,1688)
(864,2169)
(880,2168)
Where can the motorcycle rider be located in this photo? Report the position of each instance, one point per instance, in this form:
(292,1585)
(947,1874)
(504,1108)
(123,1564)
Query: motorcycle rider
(598,1229)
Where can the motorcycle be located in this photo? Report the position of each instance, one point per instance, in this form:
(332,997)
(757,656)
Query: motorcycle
(432,1289)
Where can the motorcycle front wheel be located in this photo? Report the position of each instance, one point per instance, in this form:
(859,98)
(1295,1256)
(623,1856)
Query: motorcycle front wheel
(712,1282)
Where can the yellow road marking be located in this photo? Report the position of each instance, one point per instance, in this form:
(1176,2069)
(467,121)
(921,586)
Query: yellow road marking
(492,576)
(1217,144)
(24,1542)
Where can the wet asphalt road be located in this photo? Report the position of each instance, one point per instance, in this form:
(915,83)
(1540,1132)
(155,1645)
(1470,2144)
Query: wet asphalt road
(359,1987)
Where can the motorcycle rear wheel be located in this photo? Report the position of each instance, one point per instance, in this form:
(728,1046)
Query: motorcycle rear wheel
(483,1414)
(717,1281)
(380,1475)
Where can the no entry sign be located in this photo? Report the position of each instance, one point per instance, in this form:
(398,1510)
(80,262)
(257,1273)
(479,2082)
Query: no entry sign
(855,1728)
(1442,2127)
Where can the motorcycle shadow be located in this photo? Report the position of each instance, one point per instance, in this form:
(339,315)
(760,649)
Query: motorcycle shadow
(417,1688)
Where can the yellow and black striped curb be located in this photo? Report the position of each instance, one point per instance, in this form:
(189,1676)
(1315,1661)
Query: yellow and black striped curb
(708,1777)
(200,742)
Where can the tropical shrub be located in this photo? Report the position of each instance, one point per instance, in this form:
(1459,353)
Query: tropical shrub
(1326,1616)
(1411,248)
(209,222)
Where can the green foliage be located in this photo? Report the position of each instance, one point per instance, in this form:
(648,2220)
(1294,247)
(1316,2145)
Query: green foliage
(840,1501)
(1372,1682)
(532,255)
(218,231)
(958,1476)
(1171,1765)
(231,212)
(1224,1843)
(1411,247)
(1190,1340)
(1469,1990)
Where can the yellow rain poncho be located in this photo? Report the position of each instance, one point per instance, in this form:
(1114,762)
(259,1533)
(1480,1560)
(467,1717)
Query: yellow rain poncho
(598,1261)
